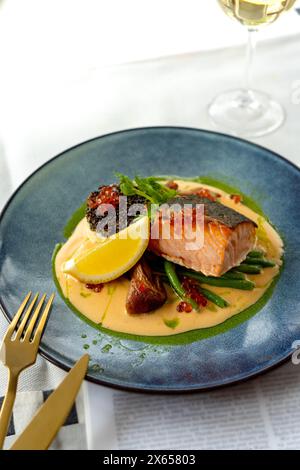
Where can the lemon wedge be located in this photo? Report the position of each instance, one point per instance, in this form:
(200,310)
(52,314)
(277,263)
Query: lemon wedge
(108,258)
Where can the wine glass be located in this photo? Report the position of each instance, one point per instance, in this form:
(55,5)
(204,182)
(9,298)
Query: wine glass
(246,111)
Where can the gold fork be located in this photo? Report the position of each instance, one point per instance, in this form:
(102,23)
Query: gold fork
(19,350)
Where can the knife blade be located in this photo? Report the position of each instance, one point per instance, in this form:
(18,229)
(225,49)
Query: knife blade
(47,421)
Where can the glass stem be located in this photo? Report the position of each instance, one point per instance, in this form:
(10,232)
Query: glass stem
(251,48)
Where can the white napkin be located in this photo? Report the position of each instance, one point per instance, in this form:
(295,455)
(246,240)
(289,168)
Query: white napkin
(70,437)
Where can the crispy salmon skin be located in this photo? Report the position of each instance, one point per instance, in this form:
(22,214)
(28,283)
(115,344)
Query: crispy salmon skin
(228,236)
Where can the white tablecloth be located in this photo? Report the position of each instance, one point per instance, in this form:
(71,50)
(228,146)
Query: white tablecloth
(39,118)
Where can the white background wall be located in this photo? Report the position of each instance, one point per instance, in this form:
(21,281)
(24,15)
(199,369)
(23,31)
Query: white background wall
(56,88)
(55,38)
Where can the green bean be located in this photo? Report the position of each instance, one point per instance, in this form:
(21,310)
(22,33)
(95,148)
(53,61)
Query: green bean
(229,275)
(173,278)
(209,295)
(248,269)
(214,298)
(233,275)
(259,262)
(255,254)
(176,284)
(218,281)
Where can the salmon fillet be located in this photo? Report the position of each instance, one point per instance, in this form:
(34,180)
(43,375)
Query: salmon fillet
(228,236)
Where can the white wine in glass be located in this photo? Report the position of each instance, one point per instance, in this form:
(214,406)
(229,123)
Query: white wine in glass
(255,12)
(246,111)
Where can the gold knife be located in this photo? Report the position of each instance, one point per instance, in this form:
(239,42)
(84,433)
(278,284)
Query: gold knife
(47,421)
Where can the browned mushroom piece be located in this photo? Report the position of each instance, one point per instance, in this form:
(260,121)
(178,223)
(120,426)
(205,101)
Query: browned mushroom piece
(146,291)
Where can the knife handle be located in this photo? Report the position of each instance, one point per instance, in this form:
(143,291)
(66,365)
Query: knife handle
(7,405)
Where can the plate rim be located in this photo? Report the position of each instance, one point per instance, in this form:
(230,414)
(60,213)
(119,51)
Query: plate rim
(137,388)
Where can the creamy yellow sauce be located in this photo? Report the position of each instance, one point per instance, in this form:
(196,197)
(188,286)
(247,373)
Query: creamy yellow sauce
(108,307)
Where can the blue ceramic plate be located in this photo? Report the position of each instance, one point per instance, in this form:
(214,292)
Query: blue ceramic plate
(33,220)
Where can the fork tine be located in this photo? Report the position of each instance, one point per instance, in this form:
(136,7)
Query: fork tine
(18,315)
(22,325)
(34,318)
(43,319)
